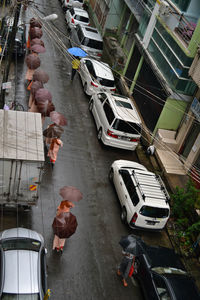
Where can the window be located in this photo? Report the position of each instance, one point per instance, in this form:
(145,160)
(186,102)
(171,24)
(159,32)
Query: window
(154,212)
(80,34)
(128,127)
(43,271)
(161,287)
(21,244)
(72,11)
(130,186)
(102,97)
(123,104)
(106,82)
(82,18)
(108,111)
(90,68)
(93,43)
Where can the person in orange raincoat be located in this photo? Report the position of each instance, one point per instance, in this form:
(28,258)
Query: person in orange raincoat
(55,145)
(58,243)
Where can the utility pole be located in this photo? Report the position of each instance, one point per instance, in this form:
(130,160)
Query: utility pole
(8,57)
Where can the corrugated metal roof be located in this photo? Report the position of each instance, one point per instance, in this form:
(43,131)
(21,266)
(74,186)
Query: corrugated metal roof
(21,136)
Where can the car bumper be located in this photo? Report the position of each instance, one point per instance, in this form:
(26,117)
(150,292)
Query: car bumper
(117,143)
(135,227)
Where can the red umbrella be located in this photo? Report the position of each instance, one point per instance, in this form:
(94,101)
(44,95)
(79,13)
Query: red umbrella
(33,61)
(37,48)
(36,85)
(43,95)
(35,32)
(64,225)
(53,132)
(58,118)
(70,193)
(40,75)
(37,41)
(35,23)
(45,107)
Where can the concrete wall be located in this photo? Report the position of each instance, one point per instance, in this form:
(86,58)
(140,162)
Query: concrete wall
(114,15)
(171,115)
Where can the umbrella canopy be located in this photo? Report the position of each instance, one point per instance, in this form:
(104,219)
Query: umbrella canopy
(43,95)
(70,193)
(35,32)
(32,61)
(77,52)
(37,48)
(64,225)
(36,85)
(40,75)
(53,132)
(37,41)
(45,108)
(35,23)
(58,118)
(131,244)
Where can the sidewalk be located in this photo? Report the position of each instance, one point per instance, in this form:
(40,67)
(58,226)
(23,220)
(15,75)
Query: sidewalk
(191,264)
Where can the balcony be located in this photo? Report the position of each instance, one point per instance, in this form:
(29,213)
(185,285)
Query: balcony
(137,7)
(184,31)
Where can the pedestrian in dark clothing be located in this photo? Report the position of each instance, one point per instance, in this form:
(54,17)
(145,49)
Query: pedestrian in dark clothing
(75,66)
(125,266)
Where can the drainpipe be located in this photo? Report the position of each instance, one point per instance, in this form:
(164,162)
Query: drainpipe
(128,59)
(137,73)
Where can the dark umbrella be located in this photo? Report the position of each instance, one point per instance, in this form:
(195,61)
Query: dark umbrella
(35,23)
(40,75)
(35,32)
(33,61)
(45,107)
(64,225)
(37,41)
(36,85)
(58,118)
(37,48)
(43,95)
(131,244)
(53,132)
(70,193)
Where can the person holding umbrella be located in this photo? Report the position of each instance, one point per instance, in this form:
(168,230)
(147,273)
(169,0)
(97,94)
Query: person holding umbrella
(75,66)
(77,53)
(54,147)
(125,266)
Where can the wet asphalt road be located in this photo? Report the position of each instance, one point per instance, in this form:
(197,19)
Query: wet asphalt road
(87,268)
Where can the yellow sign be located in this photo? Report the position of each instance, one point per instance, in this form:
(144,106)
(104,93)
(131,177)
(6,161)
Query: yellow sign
(0,49)
(32,187)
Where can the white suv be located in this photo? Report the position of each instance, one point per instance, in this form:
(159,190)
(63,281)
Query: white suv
(142,195)
(117,120)
(72,3)
(76,16)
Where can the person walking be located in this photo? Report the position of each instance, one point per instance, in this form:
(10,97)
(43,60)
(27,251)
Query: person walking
(64,206)
(75,66)
(55,145)
(125,266)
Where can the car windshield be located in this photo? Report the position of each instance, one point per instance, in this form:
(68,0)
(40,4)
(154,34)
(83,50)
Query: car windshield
(82,19)
(21,244)
(162,270)
(6,296)
(128,127)
(154,212)
(93,44)
(106,82)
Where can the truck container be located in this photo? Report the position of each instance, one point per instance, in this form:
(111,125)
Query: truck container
(21,158)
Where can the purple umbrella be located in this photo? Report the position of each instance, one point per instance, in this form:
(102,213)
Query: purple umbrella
(43,95)
(35,32)
(37,41)
(70,193)
(40,75)
(37,48)
(33,61)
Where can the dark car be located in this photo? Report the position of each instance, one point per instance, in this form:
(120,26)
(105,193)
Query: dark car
(162,275)
(20,38)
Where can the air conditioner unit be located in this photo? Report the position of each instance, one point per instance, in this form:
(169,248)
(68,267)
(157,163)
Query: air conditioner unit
(164,9)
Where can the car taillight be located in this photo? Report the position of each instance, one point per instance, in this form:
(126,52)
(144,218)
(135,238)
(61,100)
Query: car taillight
(99,54)
(134,218)
(135,140)
(113,90)
(110,133)
(93,84)
(72,20)
(67,1)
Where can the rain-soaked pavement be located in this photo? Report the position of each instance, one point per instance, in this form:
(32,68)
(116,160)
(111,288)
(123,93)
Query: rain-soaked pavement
(87,268)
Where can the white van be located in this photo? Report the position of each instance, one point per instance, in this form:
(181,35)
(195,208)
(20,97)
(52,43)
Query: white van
(142,195)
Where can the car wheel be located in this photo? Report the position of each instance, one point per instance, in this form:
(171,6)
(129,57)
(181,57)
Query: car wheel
(91,104)
(85,88)
(111,174)
(124,215)
(99,135)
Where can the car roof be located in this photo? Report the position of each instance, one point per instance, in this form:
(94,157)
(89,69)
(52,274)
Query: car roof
(91,32)
(81,12)
(151,188)
(129,115)
(101,69)
(161,257)
(183,286)
(21,233)
(21,272)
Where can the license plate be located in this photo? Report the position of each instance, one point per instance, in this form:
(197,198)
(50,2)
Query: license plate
(125,138)
(151,222)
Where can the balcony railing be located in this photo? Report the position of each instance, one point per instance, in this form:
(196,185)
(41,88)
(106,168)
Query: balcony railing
(185,30)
